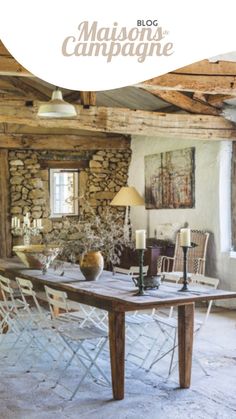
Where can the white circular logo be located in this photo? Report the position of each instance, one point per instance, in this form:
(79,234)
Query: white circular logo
(100,45)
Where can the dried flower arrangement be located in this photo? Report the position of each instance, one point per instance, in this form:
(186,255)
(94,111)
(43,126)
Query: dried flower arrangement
(92,232)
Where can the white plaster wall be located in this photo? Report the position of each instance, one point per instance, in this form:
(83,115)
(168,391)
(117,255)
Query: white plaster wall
(212,199)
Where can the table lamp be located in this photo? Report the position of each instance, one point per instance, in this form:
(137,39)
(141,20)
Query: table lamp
(128,197)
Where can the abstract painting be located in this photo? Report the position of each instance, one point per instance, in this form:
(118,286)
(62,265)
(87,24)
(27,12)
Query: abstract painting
(170,179)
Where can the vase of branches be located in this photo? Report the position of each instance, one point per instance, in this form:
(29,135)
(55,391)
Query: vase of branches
(94,240)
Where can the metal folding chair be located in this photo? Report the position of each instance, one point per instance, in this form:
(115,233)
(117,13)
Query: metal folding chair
(169,326)
(76,338)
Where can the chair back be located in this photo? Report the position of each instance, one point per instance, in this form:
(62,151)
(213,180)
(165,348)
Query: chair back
(206,282)
(6,289)
(196,255)
(26,290)
(118,270)
(57,301)
(134,271)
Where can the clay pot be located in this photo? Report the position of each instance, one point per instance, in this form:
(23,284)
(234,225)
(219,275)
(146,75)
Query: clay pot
(91,265)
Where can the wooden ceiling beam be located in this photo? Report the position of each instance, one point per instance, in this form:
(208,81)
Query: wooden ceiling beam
(10,67)
(28,90)
(185,102)
(63,142)
(88,98)
(192,83)
(217,100)
(126,121)
(205,67)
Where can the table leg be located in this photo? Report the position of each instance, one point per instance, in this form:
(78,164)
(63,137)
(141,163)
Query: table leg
(117,353)
(185,336)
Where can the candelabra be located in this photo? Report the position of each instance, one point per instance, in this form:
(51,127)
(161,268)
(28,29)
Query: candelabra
(26,230)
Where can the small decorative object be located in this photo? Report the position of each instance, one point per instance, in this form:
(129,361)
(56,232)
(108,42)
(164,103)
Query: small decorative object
(185,243)
(91,265)
(140,244)
(153,282)
(37,256)
(26,229)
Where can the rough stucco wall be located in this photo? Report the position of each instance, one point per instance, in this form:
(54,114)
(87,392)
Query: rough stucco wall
(234,197)
(212,192)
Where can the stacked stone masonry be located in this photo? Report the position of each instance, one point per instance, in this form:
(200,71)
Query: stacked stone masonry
(107,172)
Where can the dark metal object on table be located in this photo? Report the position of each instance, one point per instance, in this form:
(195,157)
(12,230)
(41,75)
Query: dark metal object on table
(185,274)
(152,282)
(140,281)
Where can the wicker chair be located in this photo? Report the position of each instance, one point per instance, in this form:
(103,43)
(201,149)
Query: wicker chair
(196,255)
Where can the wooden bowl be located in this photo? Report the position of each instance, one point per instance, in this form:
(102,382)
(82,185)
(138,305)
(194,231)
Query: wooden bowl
(35,256)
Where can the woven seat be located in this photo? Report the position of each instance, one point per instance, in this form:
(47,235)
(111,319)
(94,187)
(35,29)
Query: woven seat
(196,256)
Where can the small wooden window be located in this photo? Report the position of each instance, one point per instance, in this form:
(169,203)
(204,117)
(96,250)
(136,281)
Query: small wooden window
(63,192)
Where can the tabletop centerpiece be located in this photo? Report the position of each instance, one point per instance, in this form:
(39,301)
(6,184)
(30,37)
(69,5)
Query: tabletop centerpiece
(94,241)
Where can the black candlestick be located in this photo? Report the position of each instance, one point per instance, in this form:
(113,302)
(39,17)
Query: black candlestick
(185,275)
(140,278)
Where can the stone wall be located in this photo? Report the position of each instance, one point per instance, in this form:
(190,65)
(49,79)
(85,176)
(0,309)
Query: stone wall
(107,172)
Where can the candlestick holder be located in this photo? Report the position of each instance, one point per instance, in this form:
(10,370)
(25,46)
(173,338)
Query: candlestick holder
(140,282)
(27,232)
(185,274)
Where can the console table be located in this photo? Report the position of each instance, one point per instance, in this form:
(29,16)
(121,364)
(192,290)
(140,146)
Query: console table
(129,257)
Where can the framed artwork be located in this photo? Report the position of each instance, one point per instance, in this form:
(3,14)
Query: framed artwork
(170,179)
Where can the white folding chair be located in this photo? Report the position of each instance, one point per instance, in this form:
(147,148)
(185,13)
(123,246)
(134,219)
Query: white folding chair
(75,338)
(169,326)
(11,311)
(151,341)
(38,324)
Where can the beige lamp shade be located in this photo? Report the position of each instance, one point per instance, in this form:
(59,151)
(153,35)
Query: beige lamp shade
(127,196)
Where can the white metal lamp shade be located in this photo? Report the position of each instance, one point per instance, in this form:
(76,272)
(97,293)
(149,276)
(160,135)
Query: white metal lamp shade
(56,107)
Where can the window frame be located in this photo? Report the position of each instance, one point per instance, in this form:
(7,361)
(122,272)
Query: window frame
(51,193)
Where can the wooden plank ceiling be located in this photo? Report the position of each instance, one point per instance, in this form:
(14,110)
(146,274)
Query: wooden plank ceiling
(185,103)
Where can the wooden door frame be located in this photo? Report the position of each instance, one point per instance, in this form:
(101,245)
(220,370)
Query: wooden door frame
(5,216)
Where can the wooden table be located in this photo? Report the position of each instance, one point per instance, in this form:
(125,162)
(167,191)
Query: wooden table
(116,295)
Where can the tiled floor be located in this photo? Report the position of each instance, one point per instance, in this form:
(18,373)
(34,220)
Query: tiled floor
(148,395)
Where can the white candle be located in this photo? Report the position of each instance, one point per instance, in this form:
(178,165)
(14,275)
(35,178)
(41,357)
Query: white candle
(185,237)
(34,223)
(17,222)
(140,236)
(13,222)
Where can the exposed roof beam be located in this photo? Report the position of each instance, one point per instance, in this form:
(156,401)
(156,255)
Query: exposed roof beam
(217,100)
(126,121)
(205,67)
(205,84)
(185,102)
(88,98)
(63,142)
(10,67)
(26,88)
